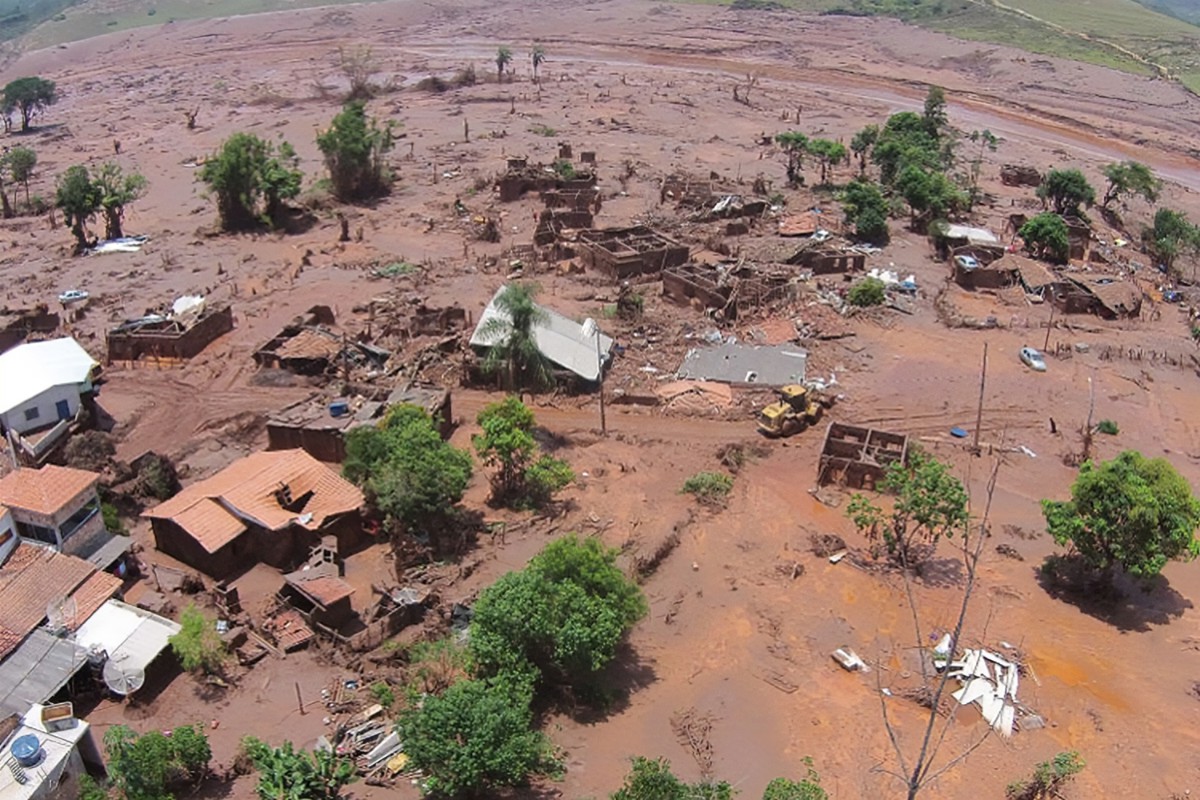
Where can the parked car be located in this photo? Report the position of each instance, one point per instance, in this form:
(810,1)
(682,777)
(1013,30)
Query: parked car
(73,296)
(1033,359)
(966,262)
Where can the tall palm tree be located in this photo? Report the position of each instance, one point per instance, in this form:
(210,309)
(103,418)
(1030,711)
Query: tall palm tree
(514,351)
(538,56)
(503,59)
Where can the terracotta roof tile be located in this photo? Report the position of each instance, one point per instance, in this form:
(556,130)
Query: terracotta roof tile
(94,592)
(32,579)
(210,524)
(45,490)
(246,489)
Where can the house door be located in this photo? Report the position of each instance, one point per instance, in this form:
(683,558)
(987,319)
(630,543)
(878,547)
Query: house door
(63,408)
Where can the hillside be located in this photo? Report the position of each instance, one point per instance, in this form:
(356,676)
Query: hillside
(1187,10)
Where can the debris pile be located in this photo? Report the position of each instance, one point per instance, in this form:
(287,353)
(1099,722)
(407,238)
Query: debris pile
(988,680)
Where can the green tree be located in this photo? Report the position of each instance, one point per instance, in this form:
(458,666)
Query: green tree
(21,162)
(867,292)
(146,767)
(795,145)
(251,178)
(1046,236)
(285,773)
(935,117)
(475,737)
(355,149)
(1066,190)
(503,59)
(861,145)
(987,142)
(1130,179)
(78,198)
(905,140)
(1171,236)
(522,476)
(866,208)
(514,354)
(30,96)
(828,153)
(560,619)
(408,471)
(538,57)
(1133,512)
(930,504)
(117,190)
(653,780)
(808,789)
(198,646)
(1048,778)
(930,195)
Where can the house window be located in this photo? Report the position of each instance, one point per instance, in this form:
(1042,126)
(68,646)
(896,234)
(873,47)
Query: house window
(77,520)
(31,414)
(38,534)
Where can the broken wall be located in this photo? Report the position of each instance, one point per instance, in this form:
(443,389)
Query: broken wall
(132,345)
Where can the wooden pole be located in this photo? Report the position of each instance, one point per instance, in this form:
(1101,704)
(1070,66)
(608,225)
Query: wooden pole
(600,379)
(979,411)
(299,699)
(1049,326)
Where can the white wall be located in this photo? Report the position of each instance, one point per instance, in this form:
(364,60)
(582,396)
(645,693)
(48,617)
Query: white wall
(14,419)
(9,538)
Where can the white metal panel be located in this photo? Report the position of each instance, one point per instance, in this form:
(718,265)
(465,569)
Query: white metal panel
(28,370)
(132,637)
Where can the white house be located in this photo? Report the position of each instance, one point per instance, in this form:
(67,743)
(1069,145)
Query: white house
(41,384)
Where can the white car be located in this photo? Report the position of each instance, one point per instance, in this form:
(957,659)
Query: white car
(966,262)
(73,296)
(1033,359)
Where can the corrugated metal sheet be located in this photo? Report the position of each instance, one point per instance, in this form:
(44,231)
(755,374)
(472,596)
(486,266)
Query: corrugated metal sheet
(27,370)
(740,363)
(560,339)
(37,670)
(132,637)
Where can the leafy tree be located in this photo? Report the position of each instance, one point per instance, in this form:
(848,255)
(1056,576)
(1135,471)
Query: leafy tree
(522,477)
(79,200)
(653,780)
(795,144)
(807,789)
(145,767)
(117,190)
(905,140)
(198,645)
(930,195)
(475,737)
(1129,179)
(21,162)
(930,504)
(251,178)
(355,148)
(1048,778)
(1046,236)
(987,141)
(30,96)
(560,618)
(1171,235)
(1132,512)
(935,118)
(514,353)
(538,57)
(867,292)
(865,206)
(1066,190)
(503,59)
(861,144)
(828,153)
(408,471)
(285,773)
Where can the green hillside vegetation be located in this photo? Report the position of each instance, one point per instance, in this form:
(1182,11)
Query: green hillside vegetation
(1122,34)
(1186,10)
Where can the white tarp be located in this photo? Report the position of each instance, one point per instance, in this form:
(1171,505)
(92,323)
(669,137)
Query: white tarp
(131,637)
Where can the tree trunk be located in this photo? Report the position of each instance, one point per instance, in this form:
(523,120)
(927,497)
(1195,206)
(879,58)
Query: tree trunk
(80,236)
(6,211)
(112,223)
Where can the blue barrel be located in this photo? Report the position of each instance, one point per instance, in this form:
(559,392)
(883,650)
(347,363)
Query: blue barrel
(339,408)
(27,750)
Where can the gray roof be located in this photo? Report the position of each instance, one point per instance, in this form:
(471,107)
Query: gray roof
(743,363)
(971,234)
(560,339)
(131,636)
(36,670)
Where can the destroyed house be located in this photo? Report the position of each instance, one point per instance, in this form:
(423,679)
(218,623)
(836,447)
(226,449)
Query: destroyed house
(521,178)
(270,507)
(826,259)
(316,350)
(730,290)
(1109,298)
(174,336)
(16,324)
(630,253)
(998,274)
(858,457)
(563,341)
(318,425)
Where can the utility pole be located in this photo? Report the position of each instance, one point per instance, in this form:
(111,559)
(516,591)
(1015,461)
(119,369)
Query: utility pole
(1049,325)
(590,328)
(979,411)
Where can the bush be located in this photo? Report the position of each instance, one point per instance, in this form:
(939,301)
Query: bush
(198,645)
(144,767)
(523,478)
(867,292)
(653,780)
(709,487)
(355,149)
(285,772)
(112,519)
(808,789)
(383,694)
(251,178)
(1108,427)
(564,169)
(1048,778)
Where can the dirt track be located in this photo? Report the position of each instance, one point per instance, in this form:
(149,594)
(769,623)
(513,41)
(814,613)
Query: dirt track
(651,84)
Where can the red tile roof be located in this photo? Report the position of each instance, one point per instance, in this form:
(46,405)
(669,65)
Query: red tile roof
(246,490)
(94,592)
(326,590)
(46,490)
(31,580)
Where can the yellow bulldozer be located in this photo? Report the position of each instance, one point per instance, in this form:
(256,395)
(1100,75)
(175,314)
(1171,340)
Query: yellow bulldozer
(798,407)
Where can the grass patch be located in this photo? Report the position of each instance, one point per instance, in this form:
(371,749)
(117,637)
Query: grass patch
(711,488)
(542,130)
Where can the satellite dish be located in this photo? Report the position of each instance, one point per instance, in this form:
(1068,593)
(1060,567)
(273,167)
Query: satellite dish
(123,681)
